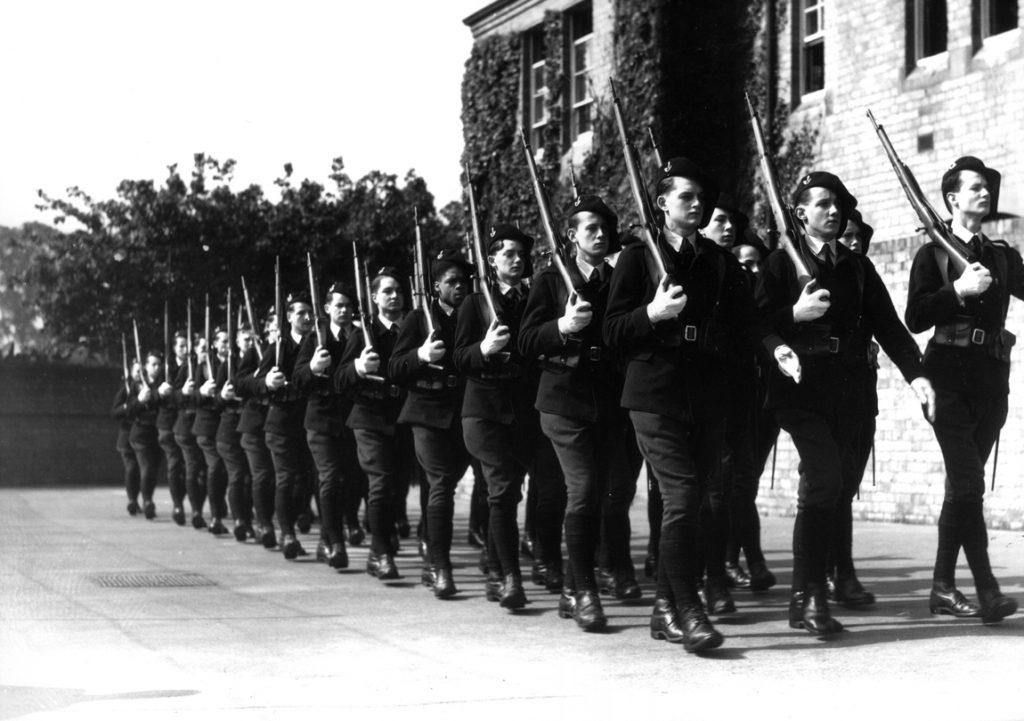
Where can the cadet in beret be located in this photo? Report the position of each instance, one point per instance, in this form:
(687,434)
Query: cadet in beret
(675,332)
(119,412)
(578,401)
(195,461)
(165,422)
(499,422)
(143,406)
(229,439)
(968,357)
(207,421)
(819,335)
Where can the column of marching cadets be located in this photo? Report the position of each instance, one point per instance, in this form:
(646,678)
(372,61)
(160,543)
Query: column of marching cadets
(692,371)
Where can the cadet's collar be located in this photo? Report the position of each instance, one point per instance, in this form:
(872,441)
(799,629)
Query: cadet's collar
(504,288)
(815,245)
(962,233)
(587,270)
(676,240)
(388,324)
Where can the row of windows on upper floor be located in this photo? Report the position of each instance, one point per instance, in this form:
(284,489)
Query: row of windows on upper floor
(926,26)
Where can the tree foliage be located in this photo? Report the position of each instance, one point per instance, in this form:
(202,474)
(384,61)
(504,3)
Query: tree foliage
(194,236)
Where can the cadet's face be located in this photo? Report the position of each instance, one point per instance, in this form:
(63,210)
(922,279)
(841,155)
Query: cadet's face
(180,347)
(200,347)
(973,197)
(221,344)
(508,261)
(451,289)
(134,372)
(590,235)
(152,367)
(749,258)
(721,229)
(851,237)
(821,213)
(683,204)
(340,308)
(300,316)
(388,296)
(245,340)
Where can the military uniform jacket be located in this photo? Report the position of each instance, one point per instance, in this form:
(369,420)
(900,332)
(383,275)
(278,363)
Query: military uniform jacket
(931,301)
(326,409)
(207,409)
(434,395)
(678,368)
(254,409)
(376,405)
(501,388)
(833,382)
(168,412)
(143,414)
(287,406)
(119,410)
(590,390)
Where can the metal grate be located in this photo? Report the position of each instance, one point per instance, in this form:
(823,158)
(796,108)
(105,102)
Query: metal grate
(151,580)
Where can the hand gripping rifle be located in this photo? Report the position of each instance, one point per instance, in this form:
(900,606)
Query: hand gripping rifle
(792,232)
(651,228)
(252,319)
(127,375)
(363,299)
(478,249)
(314,296)
(930,221)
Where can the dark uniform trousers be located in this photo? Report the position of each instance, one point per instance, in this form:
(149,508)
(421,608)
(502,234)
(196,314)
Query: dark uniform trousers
(331,455)
(293,466)
(229,448)
(143,439)
(195,461)
(175,465)
(132,478)
(443,456)
(261,466)
(971,382)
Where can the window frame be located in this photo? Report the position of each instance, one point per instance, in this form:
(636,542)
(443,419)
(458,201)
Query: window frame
(917,39)
(804,44)
(534,40)
(575,17)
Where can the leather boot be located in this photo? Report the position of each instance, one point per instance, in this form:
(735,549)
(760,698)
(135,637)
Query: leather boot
(387,570)
(512,594)
(719,600)
(444,583)
(816,617)
(588,613)
(761,579)
(698,633)
(567,603)
(337,556)
(796,609)
(994,605)
(849,592)
(492,589)
(665,622)
(946,599)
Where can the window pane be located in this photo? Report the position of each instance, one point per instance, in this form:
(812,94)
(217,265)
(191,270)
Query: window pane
(1002,16)
(583,119)
(536,46)
(811,24)
(581,57)
(813,67)
(582,22)
(537,115)
(579,88)
(538,78)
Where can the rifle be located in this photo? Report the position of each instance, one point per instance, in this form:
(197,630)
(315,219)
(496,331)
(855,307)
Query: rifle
(655,147)
(206,338)
(318,317)
(478,249)
(791,229)
(650,226)
(167,343)
(472,261)
(124,367)
(188,332)
(572,181)
(572,285)
(252,319)
(362,298)
(231,336)
(278,312)
(138,353)
(421,277)
(933,226)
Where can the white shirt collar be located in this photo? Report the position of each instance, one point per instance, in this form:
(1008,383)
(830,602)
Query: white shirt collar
(962,233)
(586,269)
(676,240)
(388,324)
(815,246)
(504,288)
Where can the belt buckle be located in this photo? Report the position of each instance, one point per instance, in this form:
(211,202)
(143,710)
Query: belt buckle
(690,333)
(978,336)
(833,344)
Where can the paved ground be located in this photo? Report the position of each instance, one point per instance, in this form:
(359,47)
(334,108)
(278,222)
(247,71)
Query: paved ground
(268,638)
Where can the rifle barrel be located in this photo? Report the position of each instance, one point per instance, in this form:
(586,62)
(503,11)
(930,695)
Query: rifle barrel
(478,249)
(252,319)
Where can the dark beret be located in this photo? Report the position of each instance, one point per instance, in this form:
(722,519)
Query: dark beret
(969,162)
(822,179)
(727,202)
(594,204)
(299,296)
(449,258)
(341,289)
(507,231)
(686,168)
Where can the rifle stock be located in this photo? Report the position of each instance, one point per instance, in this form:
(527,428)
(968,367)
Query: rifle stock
(930,220)
(790,228)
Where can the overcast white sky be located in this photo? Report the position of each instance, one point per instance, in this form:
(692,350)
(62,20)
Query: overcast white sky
(95,91)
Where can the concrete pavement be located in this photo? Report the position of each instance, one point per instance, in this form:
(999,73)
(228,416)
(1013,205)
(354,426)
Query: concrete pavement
(241,633)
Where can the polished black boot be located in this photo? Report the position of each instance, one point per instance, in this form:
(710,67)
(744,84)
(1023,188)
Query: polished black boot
(737,575)
(291,547)
(796,609)
(719,600)
(492,588)
(665,622)
(337,556)
(567,603)
(513,596)
(761,579)
(846,590)
(994,605)
(387,571)
(816,616)
(946,599)
(588,613)
(698,633)
(444,583)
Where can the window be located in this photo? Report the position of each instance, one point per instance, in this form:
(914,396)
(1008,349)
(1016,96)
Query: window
(536,87)
(926,30)
(581,33)
(810,68)
(996,16)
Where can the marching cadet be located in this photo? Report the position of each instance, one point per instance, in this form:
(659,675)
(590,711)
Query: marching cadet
(143,409)
(195,461)
(250,425)
(165,421)
(819,335)
(675,332)
(283,429)
(578,401)
(968,357)
(119,412)
(207,421)
(499,422)
(229,440)
(727,224)
(326,413)
(423,363)
(384,448)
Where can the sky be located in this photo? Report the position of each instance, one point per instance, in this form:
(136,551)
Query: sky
(96,91)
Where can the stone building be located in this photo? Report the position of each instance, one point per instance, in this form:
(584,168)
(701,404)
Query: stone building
(944,77)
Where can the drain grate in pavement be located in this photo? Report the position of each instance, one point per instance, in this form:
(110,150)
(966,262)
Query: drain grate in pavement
(151,580)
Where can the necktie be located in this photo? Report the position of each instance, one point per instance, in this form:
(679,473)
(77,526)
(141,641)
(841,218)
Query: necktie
(975,246)
(513,296)
(826,256)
